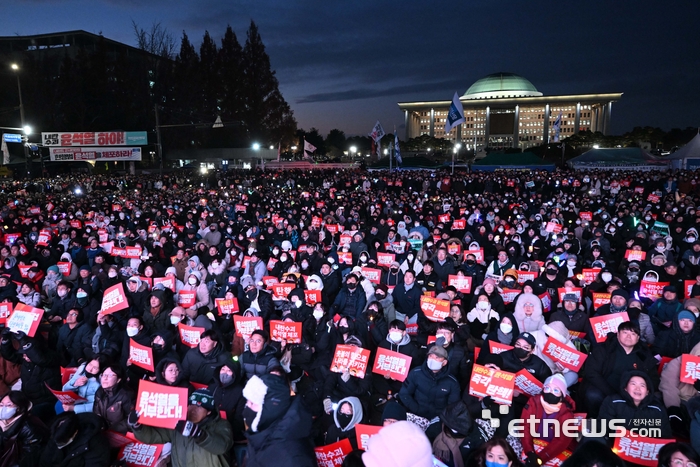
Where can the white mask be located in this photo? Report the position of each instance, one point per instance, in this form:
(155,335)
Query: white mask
(606,276)
(483,305)
(318,314)
(434,364)
(112,274)
(192,281)
(395,336)
(506,328)
(174,320)
(7,413)
(131,331)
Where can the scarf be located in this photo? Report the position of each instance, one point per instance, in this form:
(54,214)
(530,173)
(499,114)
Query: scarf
(504,338)
(6,424)
(446,448)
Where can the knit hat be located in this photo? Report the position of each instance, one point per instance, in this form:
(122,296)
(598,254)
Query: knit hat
(620,293)
(527,337)
(670,288)
(570,297)
(488,280)
(171,270)
(53,269)
(401,444)
(685,314)
(557,381)
(271,393)
(196,274)
(691,302)
(438,351)
(85,267)
(394,411)
(247,281)
(203,398)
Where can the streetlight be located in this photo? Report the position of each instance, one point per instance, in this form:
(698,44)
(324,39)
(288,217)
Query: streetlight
(272,147)
(294,148)
(256,146)
(353,150)
(27,128)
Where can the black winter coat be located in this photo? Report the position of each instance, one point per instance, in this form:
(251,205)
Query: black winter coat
(28,432)
(89,449)
(114,405)
(43,369)
(426,393)
(200,368)
(258,364)
(72,344)
(286,442)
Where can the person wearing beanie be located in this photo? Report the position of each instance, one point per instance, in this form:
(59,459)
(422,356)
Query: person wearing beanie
(618,303)
(571,314)
(680,338)
(203,439)
(393,412)
(401,444)
(621,352)
(553,403)
(636,404)
(525,355)
(663,311)
(430,388)
(278,427)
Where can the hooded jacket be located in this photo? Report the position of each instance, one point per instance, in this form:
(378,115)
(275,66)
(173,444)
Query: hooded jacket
(229,398)
(534,408)
(528,323)
(673,342)
(89,448)
(650,409)
(258,363)
(162,319)
(337,432)
(671,387)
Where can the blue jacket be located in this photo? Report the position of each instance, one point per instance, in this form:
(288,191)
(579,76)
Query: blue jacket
(342,298)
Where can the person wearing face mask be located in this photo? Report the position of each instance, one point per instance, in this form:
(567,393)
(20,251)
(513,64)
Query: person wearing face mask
(257,299)
(276,423)
(473,269)
(85,382)
(76,439)
(200,362)
(48,286)
(506,332)
(202,303)
(351,299)
(21,435)
(430,388)
(347,414)
(411,262)
(482,318)
(510,280)
(228,397)
(397,340)
(63,302)
(203,439)
(553,403)
(551,280)
(393,276)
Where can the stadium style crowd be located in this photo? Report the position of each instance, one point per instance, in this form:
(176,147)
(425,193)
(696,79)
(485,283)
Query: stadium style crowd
(297,310)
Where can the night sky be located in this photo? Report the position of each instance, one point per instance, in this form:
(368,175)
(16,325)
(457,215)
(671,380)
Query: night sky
(346,64)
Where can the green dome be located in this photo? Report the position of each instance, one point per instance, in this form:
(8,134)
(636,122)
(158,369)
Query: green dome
(501,85)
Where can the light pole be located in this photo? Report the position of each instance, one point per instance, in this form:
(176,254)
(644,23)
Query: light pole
(256,147)
(26,128)
(353,150)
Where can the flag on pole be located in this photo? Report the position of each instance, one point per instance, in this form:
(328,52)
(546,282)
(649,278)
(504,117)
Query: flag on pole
(456,114)
(377,132)
(308,147)
(279,150)
(397,149)
(557,127)
(5,153)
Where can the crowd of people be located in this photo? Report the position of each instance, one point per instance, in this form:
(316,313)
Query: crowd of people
(521,260)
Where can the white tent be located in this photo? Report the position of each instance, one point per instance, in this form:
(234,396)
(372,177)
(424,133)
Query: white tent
(687,157)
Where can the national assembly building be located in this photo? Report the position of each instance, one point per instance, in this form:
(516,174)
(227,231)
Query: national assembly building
(504,110)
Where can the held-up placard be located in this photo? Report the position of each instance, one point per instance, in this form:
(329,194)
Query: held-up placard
(600,299)
(159,405)
(25,318)
(5,311)
(352,358)
(565,355)
(282,290)
(66,397)
(385,259)
(496,347)
(461,283)
(392,364)
(690,368)
(332,455)
(373,275)
(227,306)
(574,290)
(190,335)
(245,325)
(137,454)
(364,433)
(141,355)
(168,282)
(635,255)
(640,450)
(589,275)
(602,325)
(495,383)
(312,297)
(114,300)
(652,290)
(526,383)
(187,298)
(478,254)
(524,276)
(434,309)
(288,331)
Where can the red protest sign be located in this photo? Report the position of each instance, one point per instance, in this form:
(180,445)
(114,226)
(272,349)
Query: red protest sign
(288,331)
(635,255)
(524,276)
(364,433)
(332,455)
(600,299)
(574,290)
(555,461)
(44,238)
(586,215)
(373,275)
(495,383)
(269,281)
(509,295)
(245,325)
(312,297)
(25,318)
(459,224)
(652,290)
(640,450)
(392,364)
(5,311)
(461,283)
(133,252)
(190,335)
(282,291)
(497,347)
(345,257)
(565,355)
(688,287)
(64,267)
(434,309)
(602,325)
(11,238)
(526,383)
(159,405)
(66,397)
(137,454)
(589,275)
(478,254)
(187,298)
(114,300)
(546,300)
(168,282)
(385,259)
(141,355)
(352,358)
(24,270)
(454,248)
(226,307)
(690,368)
(553,227)
(444,218)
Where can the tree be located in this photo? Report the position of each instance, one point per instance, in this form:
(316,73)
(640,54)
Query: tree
(336,138)
(157,41)
(231,78)
(267,117)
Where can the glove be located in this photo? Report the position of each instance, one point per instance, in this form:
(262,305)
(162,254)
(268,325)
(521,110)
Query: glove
(345,376)
(327,405)
(532,460)
(6,335)
(487,402)
(21,337)
(188,429)
(133,419)
(696,384)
